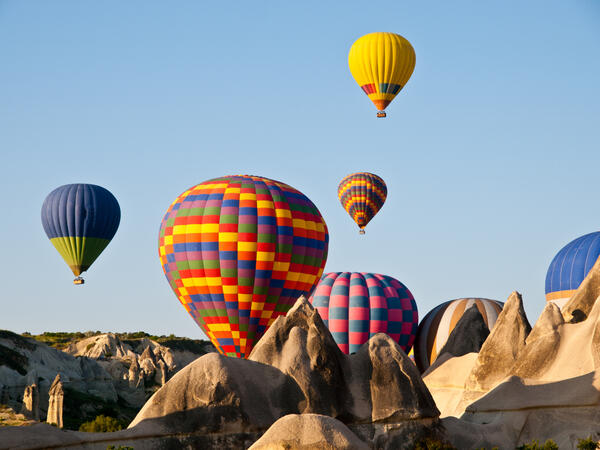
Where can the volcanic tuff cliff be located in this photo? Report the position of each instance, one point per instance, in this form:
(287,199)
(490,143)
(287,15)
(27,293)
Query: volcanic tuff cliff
(101,374)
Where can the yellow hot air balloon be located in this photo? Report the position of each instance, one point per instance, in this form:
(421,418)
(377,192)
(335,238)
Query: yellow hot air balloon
(381,64)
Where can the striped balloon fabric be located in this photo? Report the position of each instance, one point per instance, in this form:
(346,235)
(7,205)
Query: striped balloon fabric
(362,195)
(356,306)
(570,267)
(437,325)
(238,251)
(80,220)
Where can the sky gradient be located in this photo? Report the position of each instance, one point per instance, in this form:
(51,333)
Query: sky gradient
(490,153)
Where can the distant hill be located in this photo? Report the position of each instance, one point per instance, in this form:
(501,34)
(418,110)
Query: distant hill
(61,340)
(102,373)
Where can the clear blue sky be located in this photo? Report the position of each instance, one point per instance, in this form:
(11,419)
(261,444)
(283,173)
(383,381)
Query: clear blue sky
(490,153)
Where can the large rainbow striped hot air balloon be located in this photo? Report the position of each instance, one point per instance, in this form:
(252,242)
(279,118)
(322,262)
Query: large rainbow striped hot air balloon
(362,195)
(238,251)
(356,306)
(381,64)
(570,266)
(80,220)
(436,326)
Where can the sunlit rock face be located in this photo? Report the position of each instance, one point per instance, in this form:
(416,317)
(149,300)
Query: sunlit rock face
(297,368)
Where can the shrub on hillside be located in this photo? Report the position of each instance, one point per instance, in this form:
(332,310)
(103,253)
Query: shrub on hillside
(535,445)
(587,444)
(102,424)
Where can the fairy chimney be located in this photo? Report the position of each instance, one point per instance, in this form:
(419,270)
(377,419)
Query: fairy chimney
(55,402)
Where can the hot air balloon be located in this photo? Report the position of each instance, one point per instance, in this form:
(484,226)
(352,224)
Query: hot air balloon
(362,195)
(238,251)
(355,306)
(436,326)
(570,266)
(80,220)
(381,64)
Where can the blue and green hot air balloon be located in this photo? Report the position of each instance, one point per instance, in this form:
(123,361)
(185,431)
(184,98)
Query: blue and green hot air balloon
(80,220)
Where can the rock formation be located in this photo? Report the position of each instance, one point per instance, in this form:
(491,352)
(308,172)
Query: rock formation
(502,347)
(524,384)
(541,345)
(446,380)
(55,403)
(468,335)
(135,378)
(217,393)
(379,382)
(32,362)
(296,368)
(31,402)
(544,386)
(456,382)
(137,367)
(309,431)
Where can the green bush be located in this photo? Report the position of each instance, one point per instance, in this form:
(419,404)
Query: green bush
(587,444)
(535,445)
(102,424)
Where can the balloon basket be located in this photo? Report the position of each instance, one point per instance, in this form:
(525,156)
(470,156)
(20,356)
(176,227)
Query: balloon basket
(78,280)
(361,231)
(381,114)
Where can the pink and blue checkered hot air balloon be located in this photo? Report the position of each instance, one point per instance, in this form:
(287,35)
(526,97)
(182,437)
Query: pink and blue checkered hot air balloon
(357,305)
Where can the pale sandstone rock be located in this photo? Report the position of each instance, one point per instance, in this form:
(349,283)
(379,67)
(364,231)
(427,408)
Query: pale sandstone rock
(297,368)
(309,431)
(502,347)
(553,389)
(55,403)
(379,382)
(542,344)
(41,364)
(31,402)
(220,394)
(446,380)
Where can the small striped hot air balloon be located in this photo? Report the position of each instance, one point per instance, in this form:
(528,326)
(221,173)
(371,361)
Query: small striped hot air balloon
(570,266)
(356,305)
(238,251)
(381,64)
(436,326)
(80,220)
(362,195)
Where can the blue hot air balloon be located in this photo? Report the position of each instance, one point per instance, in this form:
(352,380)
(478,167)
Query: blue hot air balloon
(80,220)
(570,266)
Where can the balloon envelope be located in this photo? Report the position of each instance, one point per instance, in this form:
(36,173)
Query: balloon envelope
(80,220)
(436,326)
(362,195)
(381,64)
(570,266)
(356,306)
(238,251)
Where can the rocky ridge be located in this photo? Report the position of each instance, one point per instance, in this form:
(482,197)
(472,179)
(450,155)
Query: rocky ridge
(525,384)
(100,375)
(373,398)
